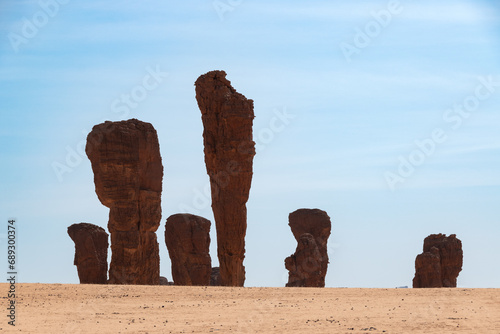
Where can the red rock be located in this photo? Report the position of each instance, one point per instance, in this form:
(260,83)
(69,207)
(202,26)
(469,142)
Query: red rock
(428,270)
(449,252)
(128,174)
(305,265)
(316,223)
(91,252)
(215,277)
(229,150)
(188,241)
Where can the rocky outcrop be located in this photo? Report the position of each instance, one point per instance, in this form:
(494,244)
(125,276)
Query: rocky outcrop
(440,263)
(91,252)
(215,277)
(308,266)
(128,172)
(188,241)
(229,150)
(304,265)
(428,270)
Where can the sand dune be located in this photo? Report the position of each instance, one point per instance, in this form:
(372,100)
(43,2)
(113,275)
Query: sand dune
(66,308)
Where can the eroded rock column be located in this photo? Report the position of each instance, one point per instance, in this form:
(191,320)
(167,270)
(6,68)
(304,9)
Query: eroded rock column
(91,252)
(304,265)
(128,175)
(307,267)
(443,252)
(188,241)
(229,150)
(428,270)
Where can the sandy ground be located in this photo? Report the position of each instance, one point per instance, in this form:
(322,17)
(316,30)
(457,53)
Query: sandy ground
(65,308)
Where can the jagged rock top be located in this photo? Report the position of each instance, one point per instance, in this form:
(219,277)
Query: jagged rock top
(229,149)
(212,87)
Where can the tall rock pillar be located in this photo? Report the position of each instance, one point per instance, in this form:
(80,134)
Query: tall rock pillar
(128,173)
(229,150)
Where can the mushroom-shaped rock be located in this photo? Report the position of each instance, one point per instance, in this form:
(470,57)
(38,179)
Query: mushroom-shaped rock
(91,252)
(313,223)
(229,150)
(188,241)
(128,172)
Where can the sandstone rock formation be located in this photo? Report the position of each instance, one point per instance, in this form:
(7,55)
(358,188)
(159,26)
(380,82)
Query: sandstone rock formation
(307,267)
(128,174)
(188,241)
(215,277)
(229,150)
(304,265)
(91,252)
(440,263)
(428,270)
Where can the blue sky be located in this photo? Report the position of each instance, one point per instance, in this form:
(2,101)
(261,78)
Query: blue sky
(329,125)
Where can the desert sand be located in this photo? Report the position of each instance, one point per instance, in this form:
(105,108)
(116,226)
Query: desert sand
(68,308)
